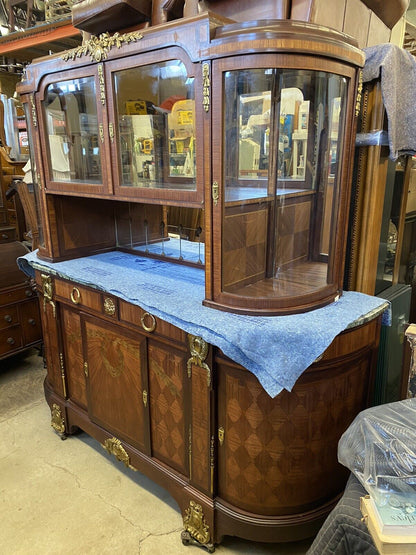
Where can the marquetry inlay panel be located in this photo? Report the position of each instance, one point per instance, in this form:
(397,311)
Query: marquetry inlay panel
(73,356)
(167,371)
(285,448)
(115,382)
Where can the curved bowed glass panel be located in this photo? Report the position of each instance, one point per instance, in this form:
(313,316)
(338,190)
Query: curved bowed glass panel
(284,131)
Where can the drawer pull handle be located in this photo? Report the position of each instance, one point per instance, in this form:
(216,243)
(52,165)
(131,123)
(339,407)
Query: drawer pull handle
(28,293)
(8,318)
(32,321)
(4,236)
(10,341)
(75,295)
(152,326)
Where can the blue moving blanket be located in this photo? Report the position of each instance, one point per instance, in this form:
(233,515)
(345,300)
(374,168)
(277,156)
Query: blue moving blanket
(276,349)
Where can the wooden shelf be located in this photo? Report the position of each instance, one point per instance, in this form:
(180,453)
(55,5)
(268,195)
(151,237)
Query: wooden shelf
(41,40)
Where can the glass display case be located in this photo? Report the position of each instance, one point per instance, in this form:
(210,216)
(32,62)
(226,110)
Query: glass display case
(238,164)
(203,162)
(282,146)
(281,179)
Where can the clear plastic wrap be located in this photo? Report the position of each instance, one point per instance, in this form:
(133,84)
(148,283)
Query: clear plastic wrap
(379,447)
(373,138)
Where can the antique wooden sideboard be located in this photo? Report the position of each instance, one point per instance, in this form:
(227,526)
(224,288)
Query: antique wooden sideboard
(222,149)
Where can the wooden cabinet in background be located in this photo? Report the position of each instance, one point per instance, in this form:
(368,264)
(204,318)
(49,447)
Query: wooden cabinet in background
(20,324)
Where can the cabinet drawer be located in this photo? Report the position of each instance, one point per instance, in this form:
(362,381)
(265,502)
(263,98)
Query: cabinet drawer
(30,321)
(133,314)
(87,298)
(7,234)
(16,295)
(8,316)
(10,339)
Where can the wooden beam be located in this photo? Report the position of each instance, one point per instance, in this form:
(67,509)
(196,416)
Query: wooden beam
(42,35)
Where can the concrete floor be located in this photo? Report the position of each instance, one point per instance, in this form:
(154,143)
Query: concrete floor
(65,497)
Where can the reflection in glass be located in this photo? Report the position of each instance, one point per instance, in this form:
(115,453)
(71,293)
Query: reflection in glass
(387,266)
(70,111)
(254,131)
(283,133)
(156,115)
(33,183)
(163,232)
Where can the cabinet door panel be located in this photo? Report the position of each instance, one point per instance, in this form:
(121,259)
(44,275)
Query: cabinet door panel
(74,141)
(74,360)
(167,375)
(153,114)
(51,339)
(278,456)
(116,388)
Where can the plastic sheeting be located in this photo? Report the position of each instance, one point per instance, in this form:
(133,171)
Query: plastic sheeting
(379,447)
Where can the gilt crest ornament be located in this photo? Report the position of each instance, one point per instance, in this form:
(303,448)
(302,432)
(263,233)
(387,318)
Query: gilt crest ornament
(99,47)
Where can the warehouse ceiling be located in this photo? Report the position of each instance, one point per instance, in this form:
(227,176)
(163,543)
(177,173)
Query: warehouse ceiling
(24,37)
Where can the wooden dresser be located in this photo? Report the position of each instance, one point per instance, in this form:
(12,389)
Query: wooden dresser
(20,325)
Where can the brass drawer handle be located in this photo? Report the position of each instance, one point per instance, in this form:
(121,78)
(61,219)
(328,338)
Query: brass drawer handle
(32,321)
(4,236)
(75,295)
(11,341)
(29,293)
(8,318)
(152,326)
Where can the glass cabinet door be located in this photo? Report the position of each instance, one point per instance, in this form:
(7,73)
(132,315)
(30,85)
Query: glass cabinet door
(282,141)
(154,128)
(33,172)
(74,134)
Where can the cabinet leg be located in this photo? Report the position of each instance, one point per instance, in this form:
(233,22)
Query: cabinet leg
(57,421)
(187,539)
(196,530)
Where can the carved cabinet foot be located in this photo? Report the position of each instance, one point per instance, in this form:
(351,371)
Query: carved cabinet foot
(58,421)
(196,530)
(187,539)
